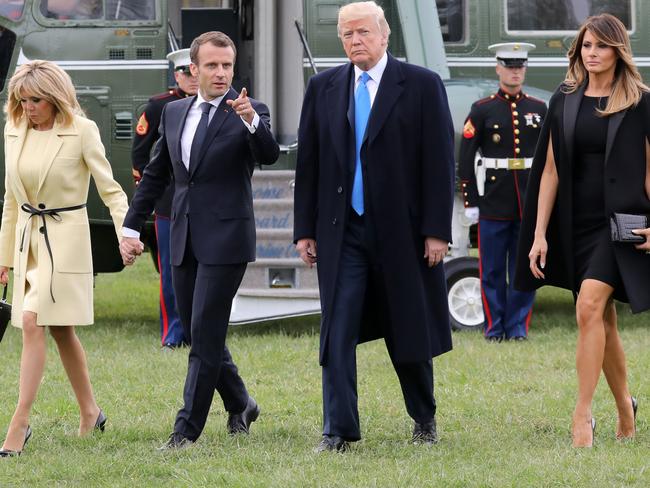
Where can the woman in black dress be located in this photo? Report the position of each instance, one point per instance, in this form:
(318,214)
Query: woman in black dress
(592,160)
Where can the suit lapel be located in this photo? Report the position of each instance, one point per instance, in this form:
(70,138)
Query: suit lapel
(220,115)
(571,107)
(181,126)
(613,124)
(340,114)
(52,149)
(390,89)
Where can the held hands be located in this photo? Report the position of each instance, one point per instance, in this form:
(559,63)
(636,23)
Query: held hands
(435,250)
(242,106)
(644,246)
(130,248)
(538,251)
(4,275)
(307,250)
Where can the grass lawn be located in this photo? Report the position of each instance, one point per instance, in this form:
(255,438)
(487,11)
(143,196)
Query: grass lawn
(504,410)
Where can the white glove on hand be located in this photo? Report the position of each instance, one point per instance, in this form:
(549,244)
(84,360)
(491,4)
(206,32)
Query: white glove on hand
(472,214)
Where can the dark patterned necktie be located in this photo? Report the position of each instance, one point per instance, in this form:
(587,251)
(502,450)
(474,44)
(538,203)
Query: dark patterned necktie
(199,135)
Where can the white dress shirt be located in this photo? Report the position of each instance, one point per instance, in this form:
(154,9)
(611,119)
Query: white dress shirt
(375,73)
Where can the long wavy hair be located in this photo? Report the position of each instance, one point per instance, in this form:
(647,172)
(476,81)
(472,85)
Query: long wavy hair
(46,80)
(628,86)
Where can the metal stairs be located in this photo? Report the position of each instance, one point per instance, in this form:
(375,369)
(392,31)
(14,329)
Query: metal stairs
(278,284)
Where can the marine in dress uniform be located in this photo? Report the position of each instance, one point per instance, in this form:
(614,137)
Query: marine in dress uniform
(146,134)
(498,144)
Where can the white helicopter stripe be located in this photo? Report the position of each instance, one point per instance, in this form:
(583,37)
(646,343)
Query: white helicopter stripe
(104,64)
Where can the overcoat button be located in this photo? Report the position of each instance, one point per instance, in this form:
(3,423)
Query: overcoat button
(612,180)
(41,206)
(191,184)
(339,190)
(41,230)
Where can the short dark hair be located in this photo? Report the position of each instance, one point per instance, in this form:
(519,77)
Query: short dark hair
(216,38)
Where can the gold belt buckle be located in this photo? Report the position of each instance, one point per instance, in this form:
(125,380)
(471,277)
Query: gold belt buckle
(516,163)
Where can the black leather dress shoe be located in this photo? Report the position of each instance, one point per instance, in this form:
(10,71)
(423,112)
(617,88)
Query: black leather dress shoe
(239,423)
(332,443)
(10,453)
(176,441)
(425,433)
(100,423)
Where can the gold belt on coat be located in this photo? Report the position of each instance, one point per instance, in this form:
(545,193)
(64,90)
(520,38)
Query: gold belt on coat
(53,213)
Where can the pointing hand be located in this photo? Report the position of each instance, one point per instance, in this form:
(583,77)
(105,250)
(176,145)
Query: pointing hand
(242,106)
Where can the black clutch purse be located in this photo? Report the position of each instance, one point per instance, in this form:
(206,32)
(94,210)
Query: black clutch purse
(5,313)
(621,226)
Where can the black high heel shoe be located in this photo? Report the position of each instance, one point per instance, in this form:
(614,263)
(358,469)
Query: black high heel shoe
(100,423)
(11,453)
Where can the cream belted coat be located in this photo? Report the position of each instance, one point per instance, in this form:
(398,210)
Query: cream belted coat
(74,153)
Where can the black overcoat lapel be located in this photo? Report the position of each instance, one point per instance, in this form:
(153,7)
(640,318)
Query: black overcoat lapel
(390,89)
(570,115)
(338,100)
(614,123)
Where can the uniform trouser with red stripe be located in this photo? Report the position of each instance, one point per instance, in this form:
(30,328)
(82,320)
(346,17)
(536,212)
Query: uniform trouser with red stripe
(171,329)
(507,311)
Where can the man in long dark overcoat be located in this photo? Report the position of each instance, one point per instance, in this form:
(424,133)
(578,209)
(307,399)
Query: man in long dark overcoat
(373,205)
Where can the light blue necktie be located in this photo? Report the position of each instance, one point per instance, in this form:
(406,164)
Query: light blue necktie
(361,114)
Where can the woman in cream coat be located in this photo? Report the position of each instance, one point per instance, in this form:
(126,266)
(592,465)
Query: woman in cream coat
(51,150)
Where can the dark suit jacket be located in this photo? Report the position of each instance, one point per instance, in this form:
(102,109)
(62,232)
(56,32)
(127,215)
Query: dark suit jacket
(213,200)
(408,162)
(625,170)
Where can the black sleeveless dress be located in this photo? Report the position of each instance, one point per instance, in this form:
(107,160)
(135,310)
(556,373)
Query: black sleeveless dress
(593,250)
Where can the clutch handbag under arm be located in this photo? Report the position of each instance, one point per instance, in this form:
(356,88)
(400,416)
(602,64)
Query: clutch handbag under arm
(621,226)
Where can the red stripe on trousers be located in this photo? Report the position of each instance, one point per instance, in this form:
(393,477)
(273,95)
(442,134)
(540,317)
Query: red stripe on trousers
(486,308)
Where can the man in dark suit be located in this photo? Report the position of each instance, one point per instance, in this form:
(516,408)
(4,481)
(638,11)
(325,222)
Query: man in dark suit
(210,144)
(373,206)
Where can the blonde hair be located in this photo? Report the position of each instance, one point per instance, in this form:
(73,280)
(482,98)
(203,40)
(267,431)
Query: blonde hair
(628,86)
(45,80)
(361,10)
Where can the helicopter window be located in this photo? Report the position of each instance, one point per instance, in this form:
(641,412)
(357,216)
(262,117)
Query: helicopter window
(130,10)
(7,43)
(12,9)
(72,9)
(451,14)
(562,15)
